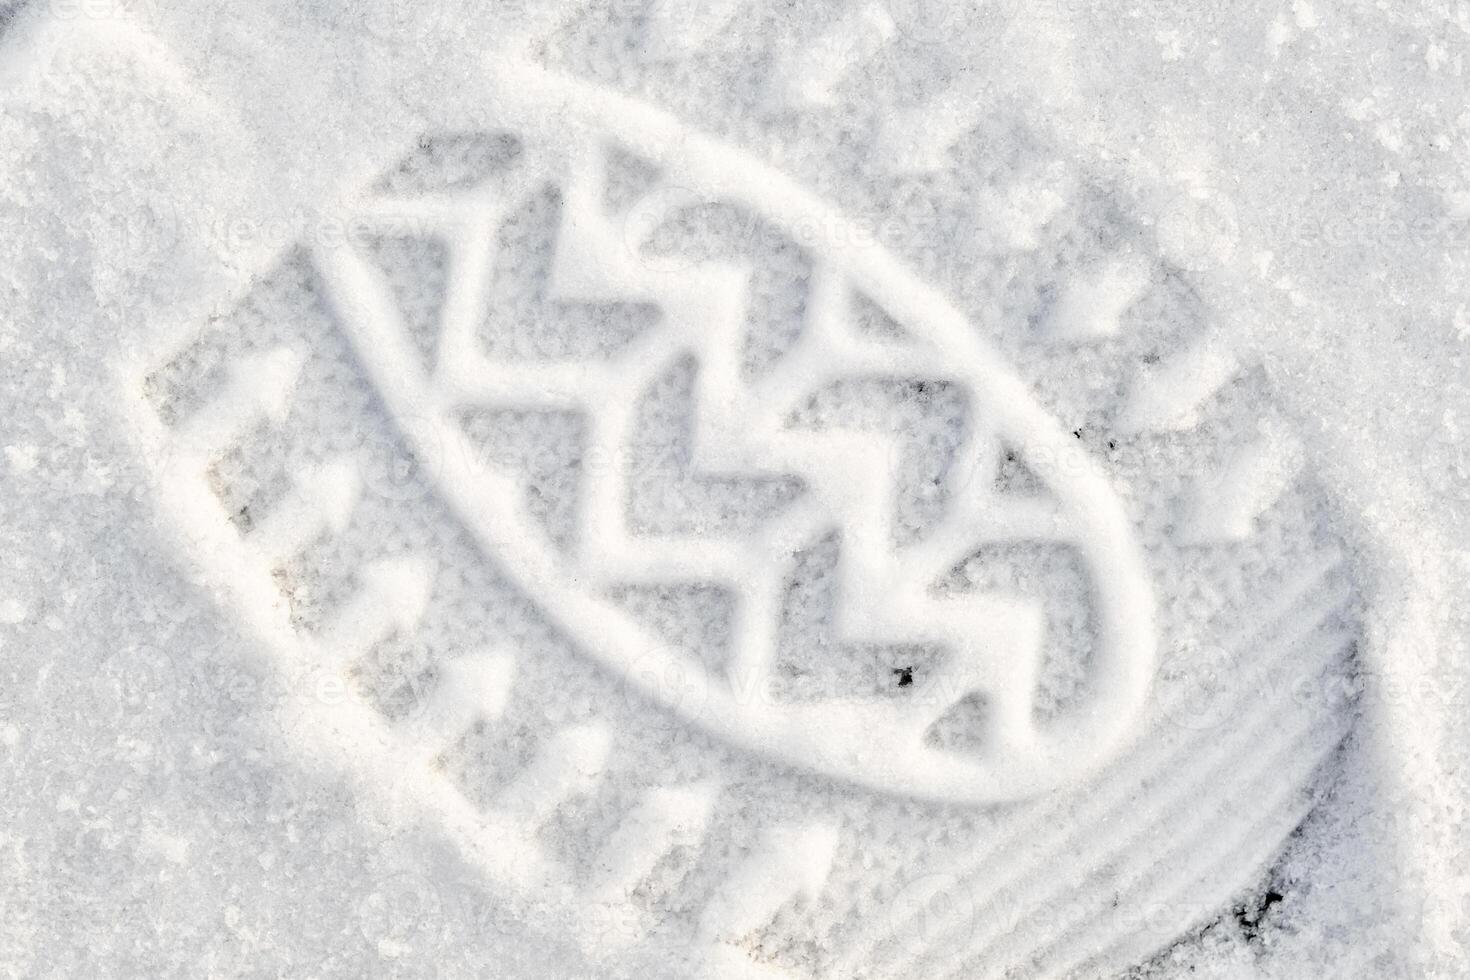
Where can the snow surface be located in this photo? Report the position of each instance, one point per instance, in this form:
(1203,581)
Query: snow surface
(177,804)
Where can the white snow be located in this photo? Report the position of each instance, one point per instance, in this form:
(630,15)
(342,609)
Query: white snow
(12,611)
(1181,291)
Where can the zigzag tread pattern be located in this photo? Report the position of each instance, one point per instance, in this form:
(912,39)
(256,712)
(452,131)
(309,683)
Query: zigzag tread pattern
(742,432)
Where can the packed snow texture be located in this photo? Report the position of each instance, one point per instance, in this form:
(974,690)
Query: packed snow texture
(1226,252)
